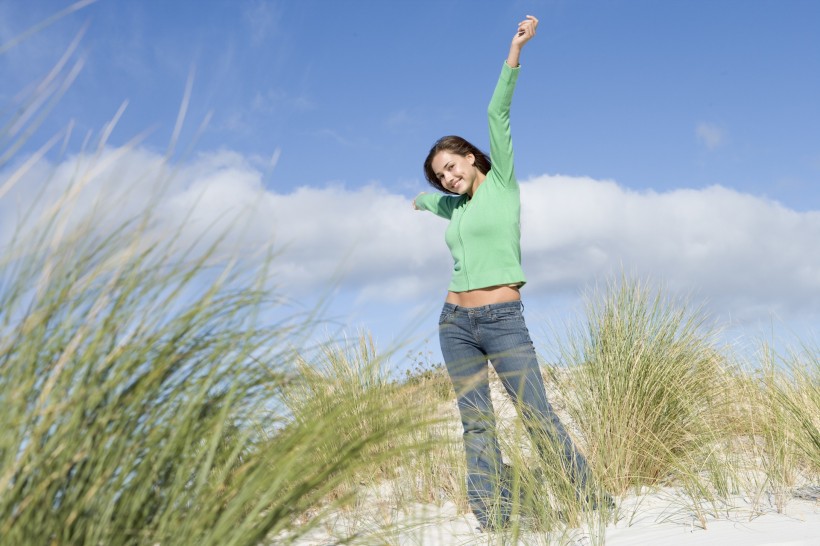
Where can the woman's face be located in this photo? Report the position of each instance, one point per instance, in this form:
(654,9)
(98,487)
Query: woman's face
(457,173)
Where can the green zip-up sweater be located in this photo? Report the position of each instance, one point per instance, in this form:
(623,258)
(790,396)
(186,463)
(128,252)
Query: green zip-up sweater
(484,234)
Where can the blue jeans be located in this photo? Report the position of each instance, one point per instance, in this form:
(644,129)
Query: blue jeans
(469,337)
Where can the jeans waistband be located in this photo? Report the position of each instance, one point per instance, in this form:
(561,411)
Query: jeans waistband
(452,308)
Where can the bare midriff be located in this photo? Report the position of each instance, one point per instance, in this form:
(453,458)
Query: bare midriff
(484,296)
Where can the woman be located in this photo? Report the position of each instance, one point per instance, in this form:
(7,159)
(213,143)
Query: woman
(482,317)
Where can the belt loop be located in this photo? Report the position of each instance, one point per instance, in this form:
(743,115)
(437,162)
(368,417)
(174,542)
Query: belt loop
(522,305)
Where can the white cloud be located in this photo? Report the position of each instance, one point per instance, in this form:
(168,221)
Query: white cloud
(710,135)
(749,256)
(361,237)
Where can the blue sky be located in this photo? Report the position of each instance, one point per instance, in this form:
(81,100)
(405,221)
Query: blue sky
(679,140)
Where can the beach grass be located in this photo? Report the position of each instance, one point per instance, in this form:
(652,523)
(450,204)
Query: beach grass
(646,387)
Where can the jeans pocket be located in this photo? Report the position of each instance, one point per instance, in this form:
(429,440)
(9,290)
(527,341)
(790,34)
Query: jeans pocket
(445,317)
(507,313)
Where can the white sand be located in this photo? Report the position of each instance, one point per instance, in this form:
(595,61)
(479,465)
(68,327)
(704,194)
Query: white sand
(660,521)
(654,519)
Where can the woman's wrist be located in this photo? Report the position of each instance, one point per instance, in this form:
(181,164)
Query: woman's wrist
(513,57)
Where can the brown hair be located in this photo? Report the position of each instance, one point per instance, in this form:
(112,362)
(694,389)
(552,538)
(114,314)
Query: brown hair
(454,145)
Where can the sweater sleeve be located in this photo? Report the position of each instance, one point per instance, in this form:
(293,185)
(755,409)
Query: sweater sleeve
(498,114)
(441,205)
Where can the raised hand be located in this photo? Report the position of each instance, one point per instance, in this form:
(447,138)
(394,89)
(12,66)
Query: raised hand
(525,32)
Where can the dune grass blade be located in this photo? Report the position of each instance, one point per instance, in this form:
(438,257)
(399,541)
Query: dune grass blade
(647,381)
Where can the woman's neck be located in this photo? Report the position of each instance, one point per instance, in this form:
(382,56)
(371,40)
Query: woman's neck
(479,179)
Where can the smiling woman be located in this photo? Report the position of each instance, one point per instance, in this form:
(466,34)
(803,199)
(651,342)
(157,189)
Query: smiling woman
(482,317)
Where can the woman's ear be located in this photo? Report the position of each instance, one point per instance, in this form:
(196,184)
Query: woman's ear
(471,159)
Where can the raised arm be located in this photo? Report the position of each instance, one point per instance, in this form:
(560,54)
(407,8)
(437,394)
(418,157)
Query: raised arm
(498,112)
